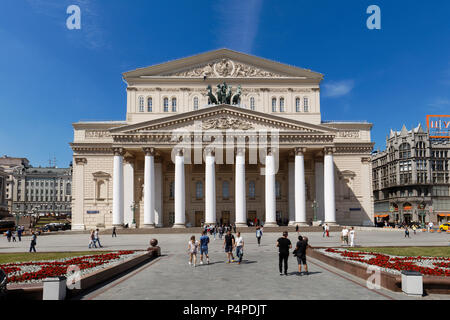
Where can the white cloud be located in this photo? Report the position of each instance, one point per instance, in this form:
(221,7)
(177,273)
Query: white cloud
(440,103)
(334,89)
(238,23)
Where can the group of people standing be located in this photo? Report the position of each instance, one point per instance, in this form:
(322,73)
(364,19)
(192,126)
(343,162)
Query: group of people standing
(219,229)
(284,245)
(11,235)
(348,234)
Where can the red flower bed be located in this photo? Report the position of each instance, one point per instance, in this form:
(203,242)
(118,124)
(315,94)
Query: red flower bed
(48,269)
(441,266)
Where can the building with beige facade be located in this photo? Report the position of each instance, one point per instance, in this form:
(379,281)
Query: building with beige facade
(183,156)
(3,200)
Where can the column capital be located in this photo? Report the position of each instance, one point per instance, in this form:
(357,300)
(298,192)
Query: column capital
(329,150)
(210,152)
(179,152)
(80,161)
(299,151)
(118,151)
(149,151)
(240,151)
(270,151)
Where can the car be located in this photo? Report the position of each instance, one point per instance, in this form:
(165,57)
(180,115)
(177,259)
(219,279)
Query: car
(444,226)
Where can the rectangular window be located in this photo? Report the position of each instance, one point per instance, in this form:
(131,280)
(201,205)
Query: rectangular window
(306,104)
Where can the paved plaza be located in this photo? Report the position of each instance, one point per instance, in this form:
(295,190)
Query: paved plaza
(170,276)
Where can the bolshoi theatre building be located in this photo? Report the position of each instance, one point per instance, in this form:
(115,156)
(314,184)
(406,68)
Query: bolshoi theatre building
(221,137)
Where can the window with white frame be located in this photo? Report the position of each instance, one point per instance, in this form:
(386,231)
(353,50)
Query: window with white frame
(195,103)
(306,104)
(149,104)
(251,189)
(252,103)
(281,104)
(199,190)
(297,105)
(166,104)
(141,104)
(226,190)
(274,104)
(174,104)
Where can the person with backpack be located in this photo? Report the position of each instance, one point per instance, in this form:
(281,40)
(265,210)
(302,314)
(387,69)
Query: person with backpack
(8,235)
(92,240)
(33,242)
(204,241)
(258,235)
(300,253)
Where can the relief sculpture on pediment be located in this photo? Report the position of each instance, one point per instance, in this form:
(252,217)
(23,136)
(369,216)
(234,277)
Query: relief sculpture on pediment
(226,123)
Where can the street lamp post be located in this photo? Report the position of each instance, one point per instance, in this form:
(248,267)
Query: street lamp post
(315,205)
(133,208)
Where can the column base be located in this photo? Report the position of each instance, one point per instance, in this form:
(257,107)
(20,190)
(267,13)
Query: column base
(291,223)
(317,223)
(149,226)
(301,224)
(179,225)
(270,224)
(241,225)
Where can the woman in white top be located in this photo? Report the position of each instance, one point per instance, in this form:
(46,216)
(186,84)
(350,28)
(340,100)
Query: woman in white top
(352,237)
(239,243)
(192,250)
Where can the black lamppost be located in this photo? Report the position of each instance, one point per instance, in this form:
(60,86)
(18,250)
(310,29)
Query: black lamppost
(315,205)
(133,208)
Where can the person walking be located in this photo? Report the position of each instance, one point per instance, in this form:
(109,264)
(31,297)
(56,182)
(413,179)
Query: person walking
(300,253)
(19,233)
(258,235)
(345,236)
(14,236)
(220,232)
(33,242)
(296,228)
(92,240)
(192,250)
(239,246)
(414,228)
(283,244)
(324,228)
(96,238)
(406,231)
(204,241)
(228,244)
(8,235)
(114,234)
(234,227)
(215,231)
(327,230)
(352,237)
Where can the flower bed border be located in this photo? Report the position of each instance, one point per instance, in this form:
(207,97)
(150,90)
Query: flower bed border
(431,284)
(32,291)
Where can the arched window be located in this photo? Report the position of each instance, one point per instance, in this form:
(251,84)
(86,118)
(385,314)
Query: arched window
(141,104)
(297,105)
(166,104)
(281,104)
(405,151)
(274,104)
(251,189)
(306,104)
(195,103)
(174,104)
(252,103)
(149,104)
(225,190)
(199,190)
(278,189)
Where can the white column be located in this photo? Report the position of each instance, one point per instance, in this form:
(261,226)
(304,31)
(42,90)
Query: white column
(128,196)
(78,192)
(241,211)
(300,197)
(149,188)
(118,188)
(179,191)
(291,179)
(158,195)
(271,218)
(210,187)
(318,172)
(329,197)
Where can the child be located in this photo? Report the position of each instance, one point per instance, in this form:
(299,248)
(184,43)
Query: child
(192,250)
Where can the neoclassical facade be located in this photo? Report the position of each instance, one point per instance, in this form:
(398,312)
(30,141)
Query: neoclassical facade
(181,158)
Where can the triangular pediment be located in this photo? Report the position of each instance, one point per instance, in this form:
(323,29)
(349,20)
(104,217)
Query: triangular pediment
(223,63)
(223,117)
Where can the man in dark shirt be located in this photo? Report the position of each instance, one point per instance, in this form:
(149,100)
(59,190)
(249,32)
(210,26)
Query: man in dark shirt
(300,253)
(284,244)
(228,244)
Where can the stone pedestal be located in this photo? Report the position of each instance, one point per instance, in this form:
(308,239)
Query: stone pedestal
(412,283)
(54,288)
(317,223)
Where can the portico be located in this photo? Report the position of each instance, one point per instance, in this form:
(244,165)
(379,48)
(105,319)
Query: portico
(257,152)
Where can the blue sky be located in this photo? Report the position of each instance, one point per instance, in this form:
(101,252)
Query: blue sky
(51,77)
